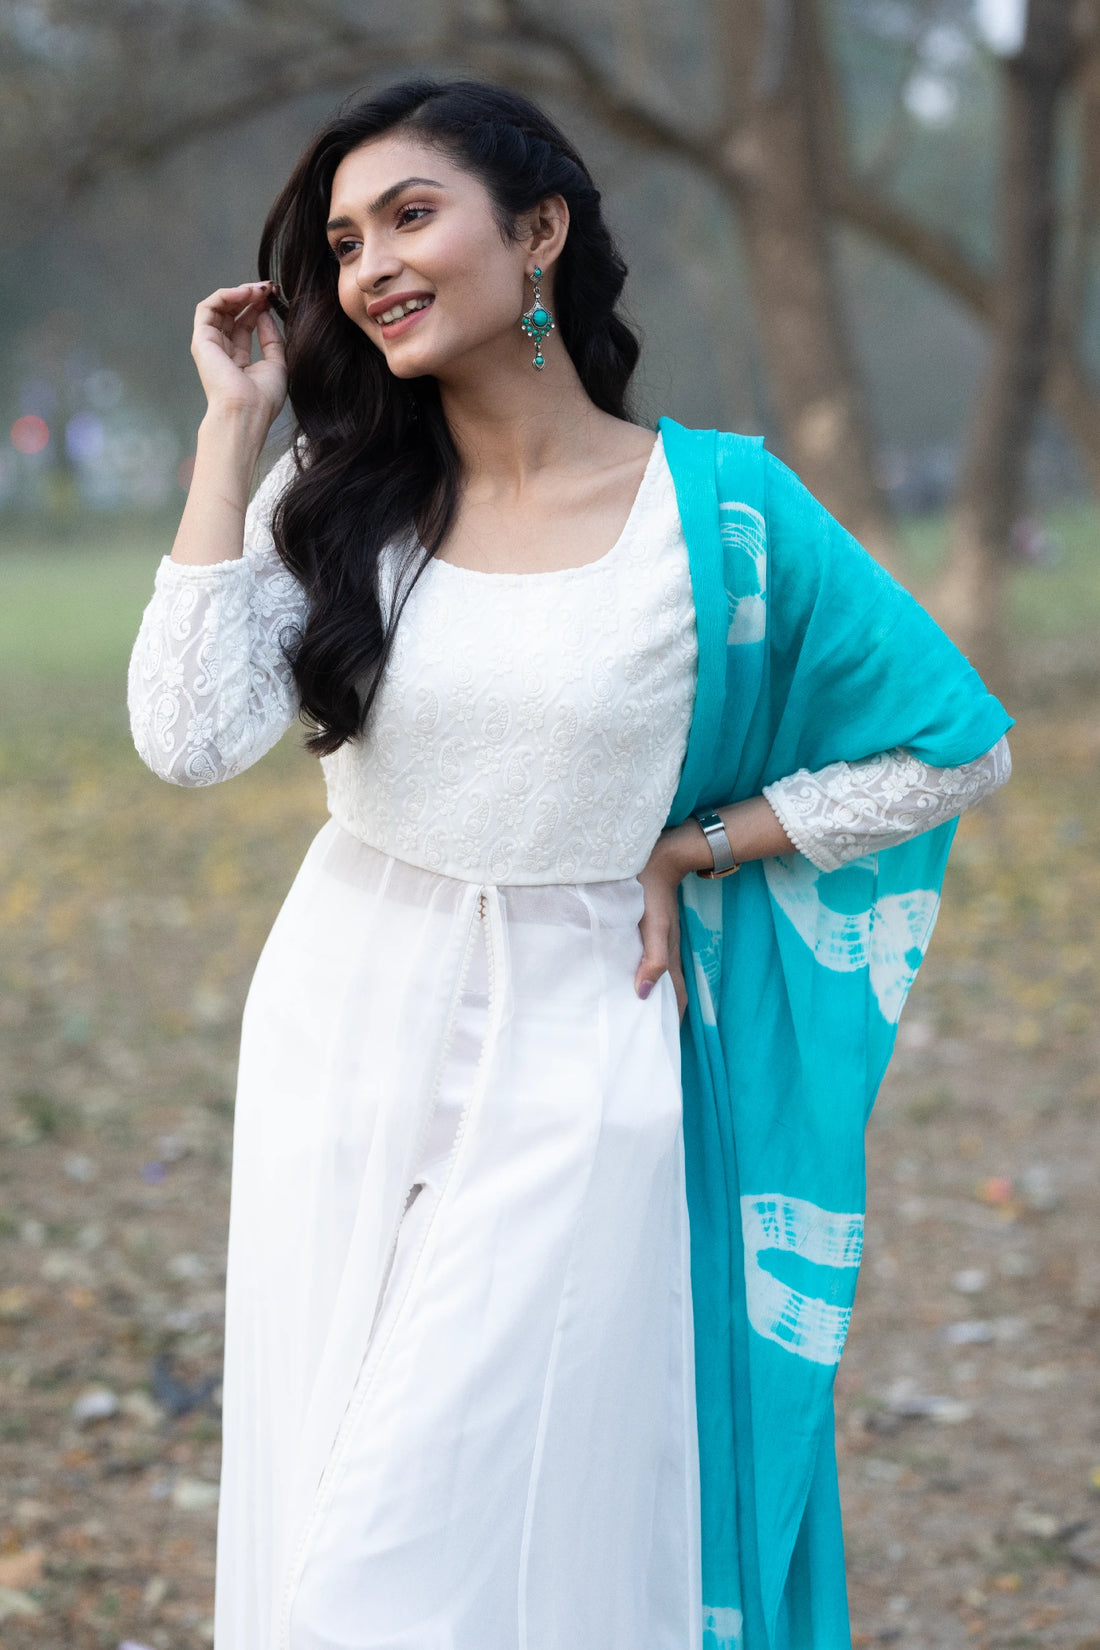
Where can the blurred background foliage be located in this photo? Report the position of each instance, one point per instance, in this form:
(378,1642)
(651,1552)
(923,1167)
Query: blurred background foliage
(866,228)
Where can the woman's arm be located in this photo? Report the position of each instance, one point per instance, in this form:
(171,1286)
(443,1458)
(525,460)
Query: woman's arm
(243,400)
(210,687)
(837,814)
(849,809)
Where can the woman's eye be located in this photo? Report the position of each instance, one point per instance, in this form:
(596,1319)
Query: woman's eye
(402,216)
(340,249)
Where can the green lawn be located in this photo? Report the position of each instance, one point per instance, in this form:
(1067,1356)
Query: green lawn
(1060,600)
(71,613)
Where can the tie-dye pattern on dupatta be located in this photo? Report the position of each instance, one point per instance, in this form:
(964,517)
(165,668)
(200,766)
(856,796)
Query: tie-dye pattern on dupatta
(809,653)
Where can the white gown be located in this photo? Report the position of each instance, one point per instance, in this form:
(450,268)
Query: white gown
(458,1398)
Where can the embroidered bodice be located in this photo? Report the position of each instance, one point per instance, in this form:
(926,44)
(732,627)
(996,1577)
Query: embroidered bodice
(530,727)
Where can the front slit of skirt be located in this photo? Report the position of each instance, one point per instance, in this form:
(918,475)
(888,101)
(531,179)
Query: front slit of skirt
(486,928)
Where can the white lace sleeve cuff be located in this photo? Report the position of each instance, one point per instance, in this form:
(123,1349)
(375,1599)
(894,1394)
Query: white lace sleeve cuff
(849,809)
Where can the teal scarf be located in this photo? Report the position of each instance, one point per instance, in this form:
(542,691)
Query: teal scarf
(809,653)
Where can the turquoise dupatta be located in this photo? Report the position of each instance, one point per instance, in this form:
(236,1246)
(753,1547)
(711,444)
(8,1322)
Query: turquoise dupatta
(809,652)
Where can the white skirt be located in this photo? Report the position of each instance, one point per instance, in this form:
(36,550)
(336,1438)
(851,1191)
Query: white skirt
(459,1404)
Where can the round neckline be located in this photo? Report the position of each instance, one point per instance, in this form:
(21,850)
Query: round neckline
(584,567)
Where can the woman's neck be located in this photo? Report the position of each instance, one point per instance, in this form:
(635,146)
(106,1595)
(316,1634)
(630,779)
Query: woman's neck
(509,429)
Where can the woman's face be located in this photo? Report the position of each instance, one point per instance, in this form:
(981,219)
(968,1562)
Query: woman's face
(409,227)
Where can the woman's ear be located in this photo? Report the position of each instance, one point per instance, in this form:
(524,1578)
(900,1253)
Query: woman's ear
(549,225)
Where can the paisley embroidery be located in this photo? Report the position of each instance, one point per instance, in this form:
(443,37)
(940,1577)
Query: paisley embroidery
(846,809)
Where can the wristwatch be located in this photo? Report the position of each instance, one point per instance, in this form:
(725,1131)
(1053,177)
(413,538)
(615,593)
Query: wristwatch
(715,833)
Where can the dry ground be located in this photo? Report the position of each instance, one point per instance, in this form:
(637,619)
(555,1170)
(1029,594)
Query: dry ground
(130,918)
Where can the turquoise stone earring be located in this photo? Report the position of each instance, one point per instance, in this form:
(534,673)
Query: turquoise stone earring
(537,321)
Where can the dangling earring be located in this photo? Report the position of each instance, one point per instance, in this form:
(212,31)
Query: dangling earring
(537,321)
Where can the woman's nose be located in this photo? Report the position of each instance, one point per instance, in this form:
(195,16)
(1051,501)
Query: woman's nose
(374,270)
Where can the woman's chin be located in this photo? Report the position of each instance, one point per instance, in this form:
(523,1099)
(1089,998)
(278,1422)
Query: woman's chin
(413,363)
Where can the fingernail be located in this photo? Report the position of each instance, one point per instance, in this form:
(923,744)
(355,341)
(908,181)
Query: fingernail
(644,989)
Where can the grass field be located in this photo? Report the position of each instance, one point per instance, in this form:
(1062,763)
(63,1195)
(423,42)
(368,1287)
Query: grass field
(131,914)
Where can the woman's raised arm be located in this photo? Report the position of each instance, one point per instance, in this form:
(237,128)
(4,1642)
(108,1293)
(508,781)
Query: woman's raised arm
(244,398)
(210,685)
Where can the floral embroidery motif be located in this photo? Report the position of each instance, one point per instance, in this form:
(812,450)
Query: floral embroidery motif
(849,809)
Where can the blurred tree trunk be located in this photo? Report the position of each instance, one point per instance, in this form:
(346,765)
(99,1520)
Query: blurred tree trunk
(1071,395)
(992,486)
(768,50)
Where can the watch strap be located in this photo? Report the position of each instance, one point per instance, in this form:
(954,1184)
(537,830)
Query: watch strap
(715,832)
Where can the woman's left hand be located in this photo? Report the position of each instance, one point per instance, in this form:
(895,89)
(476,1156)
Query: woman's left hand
(671,860)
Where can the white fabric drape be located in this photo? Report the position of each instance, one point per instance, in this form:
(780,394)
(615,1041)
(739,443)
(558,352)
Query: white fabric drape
(459,1391)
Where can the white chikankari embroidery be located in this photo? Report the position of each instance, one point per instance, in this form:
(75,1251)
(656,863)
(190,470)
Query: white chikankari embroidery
(811,1324)
(529,727)
(210,689)
(848,809)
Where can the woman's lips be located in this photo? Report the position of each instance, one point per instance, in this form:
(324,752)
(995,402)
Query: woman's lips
(390,329)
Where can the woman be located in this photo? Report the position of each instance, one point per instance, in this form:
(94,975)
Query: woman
(463,1400)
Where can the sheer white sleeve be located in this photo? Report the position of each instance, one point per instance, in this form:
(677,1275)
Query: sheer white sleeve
(849,809)
(210,690)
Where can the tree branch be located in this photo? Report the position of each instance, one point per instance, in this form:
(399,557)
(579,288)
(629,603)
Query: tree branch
(621,112)
(862,207)
(539,55)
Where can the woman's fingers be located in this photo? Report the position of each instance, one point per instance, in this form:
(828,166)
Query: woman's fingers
(227,325)
(229,316)
(675,961)
(269,337)
(653,964)
(660,932)
(656,931)
(231,300)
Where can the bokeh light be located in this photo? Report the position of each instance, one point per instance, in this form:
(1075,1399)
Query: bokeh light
(30,434)
(85,438)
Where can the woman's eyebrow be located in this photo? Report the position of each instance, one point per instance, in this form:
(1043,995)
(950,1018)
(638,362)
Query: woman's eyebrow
(383,201)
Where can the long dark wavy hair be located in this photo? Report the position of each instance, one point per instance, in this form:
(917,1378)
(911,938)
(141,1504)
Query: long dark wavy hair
(381,466)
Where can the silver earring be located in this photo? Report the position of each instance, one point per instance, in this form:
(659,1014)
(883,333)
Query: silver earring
(537,321)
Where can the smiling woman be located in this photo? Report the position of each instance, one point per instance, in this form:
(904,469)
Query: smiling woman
(536,1285)
(440,202)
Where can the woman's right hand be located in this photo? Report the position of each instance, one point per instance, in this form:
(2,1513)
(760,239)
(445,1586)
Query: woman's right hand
(221,347)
